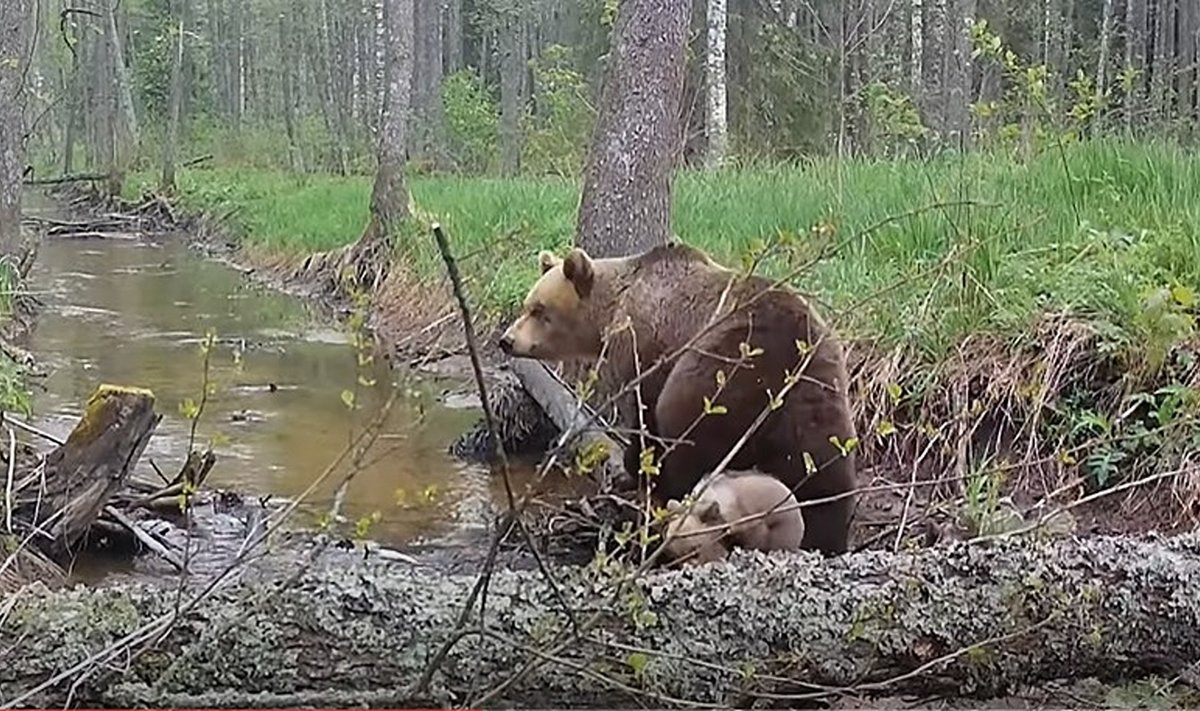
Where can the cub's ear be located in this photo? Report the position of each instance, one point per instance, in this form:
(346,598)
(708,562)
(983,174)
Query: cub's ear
(673,505)
(710,514)
(547,261)
(577,268)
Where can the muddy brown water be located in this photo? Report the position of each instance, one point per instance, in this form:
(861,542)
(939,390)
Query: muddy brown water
(135,312)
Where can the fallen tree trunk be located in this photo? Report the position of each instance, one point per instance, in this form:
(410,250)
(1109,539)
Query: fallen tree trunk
(970,620)
(561,406)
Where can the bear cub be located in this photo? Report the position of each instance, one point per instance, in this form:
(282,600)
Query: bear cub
(720,348)
(744,509)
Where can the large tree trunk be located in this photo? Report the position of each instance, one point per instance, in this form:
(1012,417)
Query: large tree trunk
(14,28)
(389,197)
(626,202)
(960,620)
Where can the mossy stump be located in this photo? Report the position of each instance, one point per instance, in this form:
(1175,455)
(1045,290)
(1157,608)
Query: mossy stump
(64,496)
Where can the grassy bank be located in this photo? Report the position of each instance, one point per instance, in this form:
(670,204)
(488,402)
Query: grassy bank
(1095,233)
(1046,308)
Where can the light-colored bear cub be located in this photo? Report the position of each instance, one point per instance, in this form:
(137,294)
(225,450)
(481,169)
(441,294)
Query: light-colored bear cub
(733,511)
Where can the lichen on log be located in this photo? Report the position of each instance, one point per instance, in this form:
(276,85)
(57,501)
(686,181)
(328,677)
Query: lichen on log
(969,619)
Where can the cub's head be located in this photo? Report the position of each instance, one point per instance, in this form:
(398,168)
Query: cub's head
(688,541)
(558,321)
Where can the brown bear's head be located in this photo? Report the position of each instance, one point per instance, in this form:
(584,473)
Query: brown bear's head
(556,321)
(695,537)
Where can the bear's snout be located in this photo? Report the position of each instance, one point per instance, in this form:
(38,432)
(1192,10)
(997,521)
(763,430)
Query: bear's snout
(506,343)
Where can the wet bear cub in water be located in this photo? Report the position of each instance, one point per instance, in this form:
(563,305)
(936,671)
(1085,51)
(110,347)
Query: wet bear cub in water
(643,308)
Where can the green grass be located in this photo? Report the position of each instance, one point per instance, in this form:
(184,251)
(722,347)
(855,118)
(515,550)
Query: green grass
(1093,232)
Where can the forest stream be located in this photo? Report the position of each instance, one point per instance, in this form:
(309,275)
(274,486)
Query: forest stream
(136,312)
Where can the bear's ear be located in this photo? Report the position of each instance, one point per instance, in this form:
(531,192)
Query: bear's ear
(577,268)
(710,513)
(547,261)
(673,505)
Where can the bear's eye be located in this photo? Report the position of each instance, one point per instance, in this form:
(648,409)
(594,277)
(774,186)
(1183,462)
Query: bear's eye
(538,311)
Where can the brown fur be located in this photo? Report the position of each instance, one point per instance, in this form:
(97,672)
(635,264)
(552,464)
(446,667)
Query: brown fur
(758,510)
(665,297)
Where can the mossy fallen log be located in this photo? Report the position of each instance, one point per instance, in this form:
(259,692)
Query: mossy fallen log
(968,620)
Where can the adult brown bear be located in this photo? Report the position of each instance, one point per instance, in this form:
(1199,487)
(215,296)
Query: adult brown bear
(713,329)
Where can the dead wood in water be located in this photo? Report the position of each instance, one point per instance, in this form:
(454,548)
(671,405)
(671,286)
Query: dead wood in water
(563,408)
(95,461)
(963,619)
(54,501)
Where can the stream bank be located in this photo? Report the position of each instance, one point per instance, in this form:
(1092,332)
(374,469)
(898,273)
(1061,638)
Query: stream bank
(136,308)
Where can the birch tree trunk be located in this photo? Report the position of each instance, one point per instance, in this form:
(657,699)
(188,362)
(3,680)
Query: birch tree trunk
(14,28)
(626,203)
(389,196)
(716,132)
(917,48)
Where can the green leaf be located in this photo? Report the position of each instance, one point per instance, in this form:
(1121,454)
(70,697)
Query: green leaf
(1185,296)
(637,661)
(711,409)
(348,399)
(189,409)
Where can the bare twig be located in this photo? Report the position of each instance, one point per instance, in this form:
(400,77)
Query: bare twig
(31,429)
(146,539)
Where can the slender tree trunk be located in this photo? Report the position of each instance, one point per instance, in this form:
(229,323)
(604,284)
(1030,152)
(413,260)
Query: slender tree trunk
(125,134)
(15,17)
(626,202)
(167,181)
(1164,61)
(1135,59)
(389,196)
(917,48)
(1189,58)
(453,36)
(959,74)
(1106,20)
(716,132)
(75,103)
(235,63)
(933,60)
(287,45)
(511,55)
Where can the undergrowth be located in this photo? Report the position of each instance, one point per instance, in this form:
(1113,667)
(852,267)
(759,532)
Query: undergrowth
(1055,295)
